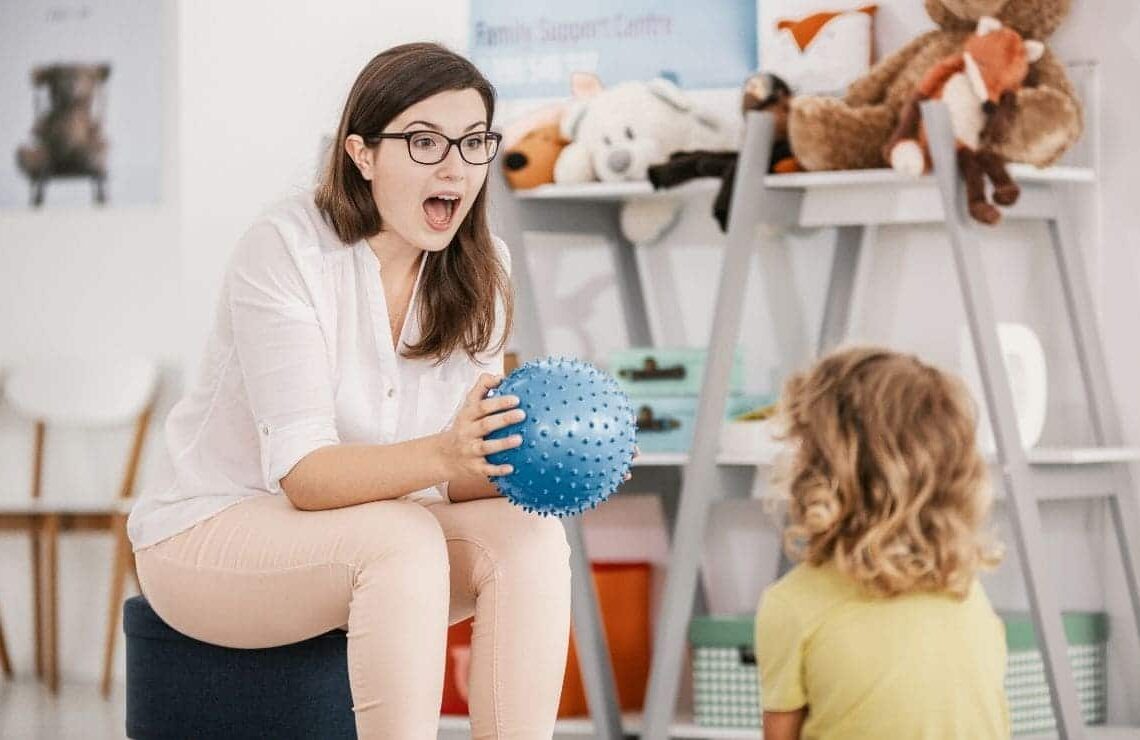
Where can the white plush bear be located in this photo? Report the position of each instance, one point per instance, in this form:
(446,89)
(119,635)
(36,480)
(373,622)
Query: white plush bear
(618,133)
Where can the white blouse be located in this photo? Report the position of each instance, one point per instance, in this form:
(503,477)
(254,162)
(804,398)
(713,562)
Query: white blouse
(300,356)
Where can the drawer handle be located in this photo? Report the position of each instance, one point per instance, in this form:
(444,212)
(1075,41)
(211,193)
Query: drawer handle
(650,371)
(647,422)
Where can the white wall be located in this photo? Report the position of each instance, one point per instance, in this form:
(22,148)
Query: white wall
(251,87)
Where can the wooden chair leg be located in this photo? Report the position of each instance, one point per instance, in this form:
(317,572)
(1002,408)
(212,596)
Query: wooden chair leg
(51,586)
(38,599)
(119,570)
(5,661)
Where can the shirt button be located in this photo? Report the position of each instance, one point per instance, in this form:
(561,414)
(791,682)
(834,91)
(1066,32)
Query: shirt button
(265,429)
(391,392)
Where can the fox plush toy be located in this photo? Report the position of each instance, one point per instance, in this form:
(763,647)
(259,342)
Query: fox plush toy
(979,87)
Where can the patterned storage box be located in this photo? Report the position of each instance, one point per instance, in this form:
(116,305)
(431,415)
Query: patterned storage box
(1025,685)
(656,371)
(726,685)
(666,424)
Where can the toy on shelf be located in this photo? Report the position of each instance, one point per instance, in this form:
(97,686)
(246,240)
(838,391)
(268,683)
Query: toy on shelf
(845,133)
(762,92)
(617,134)
(979,86)
(577,439)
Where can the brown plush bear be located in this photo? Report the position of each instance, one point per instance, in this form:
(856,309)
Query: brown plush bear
(67,138)
(850,133)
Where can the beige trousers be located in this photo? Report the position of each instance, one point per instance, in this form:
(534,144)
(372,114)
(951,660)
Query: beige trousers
(394,574)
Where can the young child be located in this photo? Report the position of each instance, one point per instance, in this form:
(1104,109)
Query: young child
(882,630)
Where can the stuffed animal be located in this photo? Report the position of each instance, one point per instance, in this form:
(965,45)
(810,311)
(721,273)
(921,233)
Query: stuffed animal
(530,162)
(67,137)
(618,133)
(762,92)
(849,133)
(979,87)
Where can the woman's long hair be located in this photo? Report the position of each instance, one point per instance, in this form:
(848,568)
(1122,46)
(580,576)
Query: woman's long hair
(461,284)
(885,480)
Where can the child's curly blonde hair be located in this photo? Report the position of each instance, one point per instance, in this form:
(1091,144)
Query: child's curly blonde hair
(885,480)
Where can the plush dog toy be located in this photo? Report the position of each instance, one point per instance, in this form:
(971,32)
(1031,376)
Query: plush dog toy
(850,132)
(979,86)
(530,162)
(67,138)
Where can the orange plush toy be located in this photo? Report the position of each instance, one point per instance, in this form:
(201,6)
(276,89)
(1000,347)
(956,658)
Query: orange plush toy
(530,162)
(979,86)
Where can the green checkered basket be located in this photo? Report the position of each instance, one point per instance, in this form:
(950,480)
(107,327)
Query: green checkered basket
(726,685)
(726,689)
(1030,709)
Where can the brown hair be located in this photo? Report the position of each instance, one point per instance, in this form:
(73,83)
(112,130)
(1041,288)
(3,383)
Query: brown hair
(886,481)
(462,283)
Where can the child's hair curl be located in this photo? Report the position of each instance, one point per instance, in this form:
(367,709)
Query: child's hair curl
(885,480)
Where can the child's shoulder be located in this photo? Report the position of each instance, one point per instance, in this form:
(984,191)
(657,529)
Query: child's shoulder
(810,590)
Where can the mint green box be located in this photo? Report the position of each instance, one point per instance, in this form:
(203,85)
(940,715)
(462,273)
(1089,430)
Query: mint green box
(726,684)
(1030,708)
(657,371)
(666,423)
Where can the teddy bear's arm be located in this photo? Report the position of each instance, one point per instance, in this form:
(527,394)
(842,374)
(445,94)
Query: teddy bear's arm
(872,87)
(1048,118)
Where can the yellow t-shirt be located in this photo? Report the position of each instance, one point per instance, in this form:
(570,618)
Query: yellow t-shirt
(918,666)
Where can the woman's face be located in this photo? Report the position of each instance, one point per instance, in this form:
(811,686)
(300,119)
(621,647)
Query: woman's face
(425,203)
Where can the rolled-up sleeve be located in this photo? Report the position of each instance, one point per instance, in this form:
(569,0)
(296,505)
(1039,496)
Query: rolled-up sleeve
(282,352)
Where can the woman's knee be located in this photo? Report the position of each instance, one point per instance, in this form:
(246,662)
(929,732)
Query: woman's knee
(401,531)
(531,542)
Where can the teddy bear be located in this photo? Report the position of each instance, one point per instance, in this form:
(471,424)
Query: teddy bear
(67,137)
(530,162)
(618,133)
(850,132)
(979,87)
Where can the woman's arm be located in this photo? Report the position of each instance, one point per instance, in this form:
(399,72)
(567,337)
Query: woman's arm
(784,725)
(340,475)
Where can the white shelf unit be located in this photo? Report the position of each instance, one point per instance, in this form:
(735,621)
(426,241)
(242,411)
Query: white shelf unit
(849,201)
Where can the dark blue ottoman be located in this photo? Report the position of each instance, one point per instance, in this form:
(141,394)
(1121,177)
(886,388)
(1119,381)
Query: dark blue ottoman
(179,688)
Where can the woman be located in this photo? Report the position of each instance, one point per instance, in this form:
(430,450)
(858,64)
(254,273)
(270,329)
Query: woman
(329,463)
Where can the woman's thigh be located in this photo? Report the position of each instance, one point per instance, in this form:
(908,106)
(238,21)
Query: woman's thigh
(264,573)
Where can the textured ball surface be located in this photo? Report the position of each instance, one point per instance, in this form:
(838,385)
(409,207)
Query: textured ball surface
(577,438)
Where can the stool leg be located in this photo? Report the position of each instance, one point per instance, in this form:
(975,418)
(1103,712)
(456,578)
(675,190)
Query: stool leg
(119,570)
(5,661)
(51,628)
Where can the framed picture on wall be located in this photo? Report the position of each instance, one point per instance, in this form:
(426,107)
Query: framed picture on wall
(530,50)
(81,102)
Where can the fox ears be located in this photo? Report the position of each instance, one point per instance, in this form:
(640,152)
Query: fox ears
(1034,50)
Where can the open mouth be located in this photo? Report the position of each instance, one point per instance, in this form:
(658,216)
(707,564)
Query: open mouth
(440,210)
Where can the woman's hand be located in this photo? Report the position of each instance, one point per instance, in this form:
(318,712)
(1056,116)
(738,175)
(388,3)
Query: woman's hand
(636,453)
(462,447)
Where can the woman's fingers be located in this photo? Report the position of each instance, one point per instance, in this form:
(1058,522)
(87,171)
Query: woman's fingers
(495,422)
(491,446)
(486,382)
(495,404)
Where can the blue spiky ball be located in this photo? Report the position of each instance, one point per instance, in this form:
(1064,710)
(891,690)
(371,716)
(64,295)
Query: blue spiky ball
(577,437)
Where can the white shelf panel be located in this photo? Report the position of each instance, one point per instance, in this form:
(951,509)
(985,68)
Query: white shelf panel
(616,191)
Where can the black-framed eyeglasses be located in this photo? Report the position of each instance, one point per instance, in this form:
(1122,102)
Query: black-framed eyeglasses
(432,147)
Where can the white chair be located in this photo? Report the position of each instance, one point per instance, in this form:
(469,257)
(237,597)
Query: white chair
(90,393)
